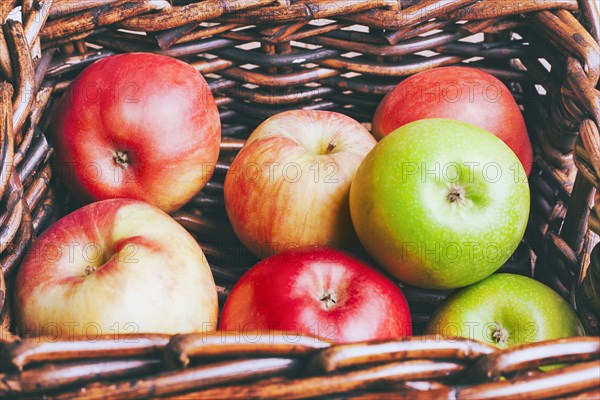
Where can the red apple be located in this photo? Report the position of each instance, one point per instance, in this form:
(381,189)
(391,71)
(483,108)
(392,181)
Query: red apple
(461,93)
(320,292)
(113,267)
(288,187)
(137,125)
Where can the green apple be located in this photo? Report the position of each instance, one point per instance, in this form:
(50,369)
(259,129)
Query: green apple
(440,203)
(505,310)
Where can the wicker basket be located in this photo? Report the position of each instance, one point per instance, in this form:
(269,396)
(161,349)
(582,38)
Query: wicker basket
(265,56)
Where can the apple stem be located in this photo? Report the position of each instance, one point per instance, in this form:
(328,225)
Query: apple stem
(328,297)
(500,335)
(121,158)
(90,269)
(456,194)
(332,145)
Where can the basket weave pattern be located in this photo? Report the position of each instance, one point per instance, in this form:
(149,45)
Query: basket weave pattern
(261,57)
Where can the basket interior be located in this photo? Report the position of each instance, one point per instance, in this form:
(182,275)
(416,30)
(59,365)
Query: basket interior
(261,57)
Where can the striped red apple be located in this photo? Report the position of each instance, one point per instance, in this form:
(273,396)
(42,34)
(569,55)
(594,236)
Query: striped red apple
(289,186)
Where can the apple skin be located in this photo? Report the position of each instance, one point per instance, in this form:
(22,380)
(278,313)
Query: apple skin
(505,310)
(288,292)
(462,93)
(145,273)
(401,207)
(286,188)
(156,109)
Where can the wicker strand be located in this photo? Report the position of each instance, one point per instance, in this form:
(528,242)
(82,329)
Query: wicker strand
(22,66)
(106,14)
(192,13)
(264,56)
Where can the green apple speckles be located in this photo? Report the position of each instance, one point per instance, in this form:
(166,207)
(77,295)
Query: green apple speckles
(440,203)
(505,310)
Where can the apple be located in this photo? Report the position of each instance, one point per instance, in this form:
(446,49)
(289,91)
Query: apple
(288,186)
(505,310)
(114,267)
(461,93)
(140,126)
(321,292)
(440,203)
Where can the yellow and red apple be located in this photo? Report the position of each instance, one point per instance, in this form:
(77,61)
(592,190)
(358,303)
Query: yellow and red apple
(289,185)
(116,266)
